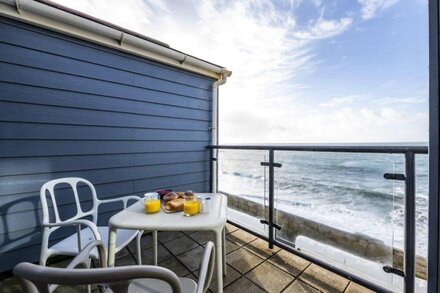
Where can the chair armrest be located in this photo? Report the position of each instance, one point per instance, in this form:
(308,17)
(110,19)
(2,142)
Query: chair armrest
(84,222)
(84,256)
(124,200)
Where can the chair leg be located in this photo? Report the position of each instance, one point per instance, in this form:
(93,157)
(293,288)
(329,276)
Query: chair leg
(155,248)
(89,287)
(138,247)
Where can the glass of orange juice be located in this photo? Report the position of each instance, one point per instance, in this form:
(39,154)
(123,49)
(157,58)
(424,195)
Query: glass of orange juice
(191,208)
(151,203)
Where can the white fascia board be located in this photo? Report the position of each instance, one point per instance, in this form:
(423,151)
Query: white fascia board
(48,17)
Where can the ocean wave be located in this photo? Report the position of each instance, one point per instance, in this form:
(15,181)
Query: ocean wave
(244,175)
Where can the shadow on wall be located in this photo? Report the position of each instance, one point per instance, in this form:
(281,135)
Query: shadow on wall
(20,223)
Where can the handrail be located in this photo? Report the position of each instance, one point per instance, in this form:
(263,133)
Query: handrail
(409,153)
(398,149)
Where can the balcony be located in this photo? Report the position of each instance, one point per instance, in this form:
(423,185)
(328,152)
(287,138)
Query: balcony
(252,266)
(132,114)
(306,254)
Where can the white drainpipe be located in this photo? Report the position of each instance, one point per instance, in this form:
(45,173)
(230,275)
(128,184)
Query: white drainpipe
(214,127)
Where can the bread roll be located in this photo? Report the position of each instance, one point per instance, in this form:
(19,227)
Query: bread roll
(170,196)
(175,205)
(181,194)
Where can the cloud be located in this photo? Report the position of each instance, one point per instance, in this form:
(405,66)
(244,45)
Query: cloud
(305,124)
(370,8)
(340,101)
(323,29)
(262,43)
(403,101)
(135,15)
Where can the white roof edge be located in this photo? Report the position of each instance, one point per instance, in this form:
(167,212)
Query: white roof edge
(45,16)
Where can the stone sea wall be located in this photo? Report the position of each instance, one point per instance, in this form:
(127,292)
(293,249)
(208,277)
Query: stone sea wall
(357,244)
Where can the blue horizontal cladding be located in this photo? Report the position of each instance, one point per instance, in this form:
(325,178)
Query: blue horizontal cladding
(41,60)
(58,45)
(14,73)
(91,96)
(51,97)
(42,131)
(33,165)
(46,114)
(105,190)
(45,148)
(148,183)
(28,183)
(72,108)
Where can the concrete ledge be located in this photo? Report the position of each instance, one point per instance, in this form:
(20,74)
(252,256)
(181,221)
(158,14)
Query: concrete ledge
(354,243)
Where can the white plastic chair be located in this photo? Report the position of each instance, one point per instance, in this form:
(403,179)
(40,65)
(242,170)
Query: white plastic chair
(73,244)
(128,279)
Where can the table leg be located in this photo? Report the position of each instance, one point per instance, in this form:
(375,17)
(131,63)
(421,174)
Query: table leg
(224,251)
(155,248)
(111,246)
(219,259)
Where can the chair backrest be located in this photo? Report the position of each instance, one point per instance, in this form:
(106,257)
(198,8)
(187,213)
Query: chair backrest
(49,187)
(206,268)
(35,278)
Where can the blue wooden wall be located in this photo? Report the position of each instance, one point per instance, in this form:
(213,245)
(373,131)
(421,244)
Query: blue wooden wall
(72,108)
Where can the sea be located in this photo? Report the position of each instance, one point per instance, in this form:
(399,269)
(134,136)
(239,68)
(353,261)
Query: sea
(347,191)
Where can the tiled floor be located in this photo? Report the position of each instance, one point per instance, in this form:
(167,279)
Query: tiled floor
(252,266)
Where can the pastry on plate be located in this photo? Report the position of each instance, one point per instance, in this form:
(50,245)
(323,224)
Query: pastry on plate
(170,196)
(175,205)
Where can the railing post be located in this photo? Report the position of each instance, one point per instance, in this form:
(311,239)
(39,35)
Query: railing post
(211,163)
(270,222)
(271,197)
(212,171)
(410,221)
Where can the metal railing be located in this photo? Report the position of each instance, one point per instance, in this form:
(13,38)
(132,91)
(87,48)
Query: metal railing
(408,178)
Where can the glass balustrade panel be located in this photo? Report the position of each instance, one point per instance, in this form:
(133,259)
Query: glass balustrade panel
(422,202)
(338,207)
(242,178)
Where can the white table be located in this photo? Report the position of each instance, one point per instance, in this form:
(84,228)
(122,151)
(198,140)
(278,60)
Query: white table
(135,218)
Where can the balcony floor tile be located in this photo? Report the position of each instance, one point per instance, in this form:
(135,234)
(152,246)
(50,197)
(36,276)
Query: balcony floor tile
(243,285)
(323,279)
(182,244)
(243,260)
(162,255)
(167,236)
(300,287)
(356,288)
(269,277)
(230,277)
(202,237)
(231,246)
(230,228)
(290,263)
(260,248)
(174,265)
(191,259)
(241,237)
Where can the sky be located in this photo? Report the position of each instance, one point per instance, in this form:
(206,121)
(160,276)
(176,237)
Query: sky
(304,71)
